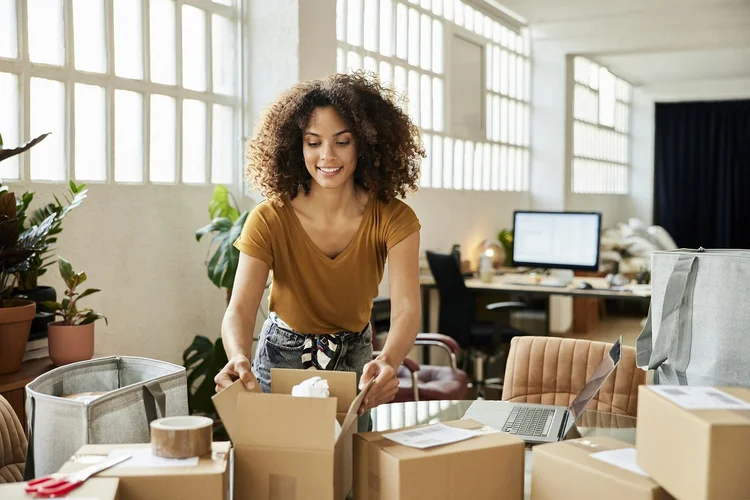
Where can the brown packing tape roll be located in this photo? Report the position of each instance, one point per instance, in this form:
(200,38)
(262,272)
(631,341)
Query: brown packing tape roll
(181,437)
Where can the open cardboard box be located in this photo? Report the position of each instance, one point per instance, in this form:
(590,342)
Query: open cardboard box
(285,446)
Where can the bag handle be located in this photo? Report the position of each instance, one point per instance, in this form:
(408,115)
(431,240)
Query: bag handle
(28,473)
(154,400)
(675,337)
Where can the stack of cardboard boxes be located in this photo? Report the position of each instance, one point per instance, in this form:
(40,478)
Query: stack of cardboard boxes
(691,445)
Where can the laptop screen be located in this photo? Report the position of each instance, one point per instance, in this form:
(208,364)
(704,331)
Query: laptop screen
(595,382)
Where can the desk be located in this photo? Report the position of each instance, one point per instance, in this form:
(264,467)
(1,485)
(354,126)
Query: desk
(504,283)
(592,423)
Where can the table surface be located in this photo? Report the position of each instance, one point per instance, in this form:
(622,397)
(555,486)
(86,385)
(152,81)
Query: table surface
(591,423)
(510,283)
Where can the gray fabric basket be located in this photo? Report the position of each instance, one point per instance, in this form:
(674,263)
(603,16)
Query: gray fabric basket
(698,327)
(139,390)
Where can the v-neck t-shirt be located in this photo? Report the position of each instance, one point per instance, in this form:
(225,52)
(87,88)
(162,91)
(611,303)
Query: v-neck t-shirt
(311,292)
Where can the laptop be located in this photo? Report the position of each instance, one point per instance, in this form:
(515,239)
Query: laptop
(536,423)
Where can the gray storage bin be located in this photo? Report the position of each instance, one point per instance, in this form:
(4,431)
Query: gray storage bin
(138,390)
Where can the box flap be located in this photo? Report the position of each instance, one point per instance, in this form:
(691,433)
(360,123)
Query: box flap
(353,412)
(281,421)
(341,385)
(225,403)
(740,416)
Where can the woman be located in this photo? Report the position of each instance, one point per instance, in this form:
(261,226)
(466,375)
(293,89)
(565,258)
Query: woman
(330,156)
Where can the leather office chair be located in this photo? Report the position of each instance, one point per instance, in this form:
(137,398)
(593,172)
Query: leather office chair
(12,445)
(551,370)
(457,319)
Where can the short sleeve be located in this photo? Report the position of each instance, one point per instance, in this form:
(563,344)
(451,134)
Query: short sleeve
(255,238)
(400,223)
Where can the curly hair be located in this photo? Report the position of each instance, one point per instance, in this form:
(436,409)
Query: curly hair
(388,143)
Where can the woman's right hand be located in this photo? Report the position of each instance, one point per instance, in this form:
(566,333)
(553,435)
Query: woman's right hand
(238,367)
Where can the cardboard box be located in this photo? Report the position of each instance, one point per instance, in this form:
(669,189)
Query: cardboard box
(284,446)
(490,466)
(568,470)
(93,489)
(695,454)
(208,480)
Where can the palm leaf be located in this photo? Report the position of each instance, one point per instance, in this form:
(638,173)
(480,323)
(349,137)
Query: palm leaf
(7,153)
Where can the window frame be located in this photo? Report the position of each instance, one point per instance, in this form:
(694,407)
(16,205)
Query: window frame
(24,69)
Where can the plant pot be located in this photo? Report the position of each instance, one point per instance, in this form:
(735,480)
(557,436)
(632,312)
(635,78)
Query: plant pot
(43,315)
(69,344)
(15,323)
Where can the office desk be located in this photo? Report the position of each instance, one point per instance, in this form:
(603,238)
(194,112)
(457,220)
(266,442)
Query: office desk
(591,423)
(504,283)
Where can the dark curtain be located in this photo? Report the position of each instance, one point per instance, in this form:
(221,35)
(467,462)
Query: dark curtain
(702,173)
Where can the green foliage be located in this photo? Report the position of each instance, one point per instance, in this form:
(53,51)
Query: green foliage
(203,360)
(67,309)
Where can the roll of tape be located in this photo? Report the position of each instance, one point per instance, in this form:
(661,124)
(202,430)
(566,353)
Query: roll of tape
(181,437)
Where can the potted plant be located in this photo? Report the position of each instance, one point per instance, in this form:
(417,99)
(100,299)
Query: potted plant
(72,339)
(17,247)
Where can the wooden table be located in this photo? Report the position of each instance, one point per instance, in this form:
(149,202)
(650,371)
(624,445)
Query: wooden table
(13,385)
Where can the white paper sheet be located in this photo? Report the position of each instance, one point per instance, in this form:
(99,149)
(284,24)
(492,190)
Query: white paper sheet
(433,435)
(623,458)
(700,398)
(144,458)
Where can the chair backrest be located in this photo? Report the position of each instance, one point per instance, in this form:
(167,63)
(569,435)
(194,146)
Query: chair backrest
(551,370)
(456,303)
(12,445)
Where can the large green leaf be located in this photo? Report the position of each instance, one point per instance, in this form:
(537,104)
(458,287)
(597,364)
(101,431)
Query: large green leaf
(203,359)
(223,204)
(217,225)
(66,271)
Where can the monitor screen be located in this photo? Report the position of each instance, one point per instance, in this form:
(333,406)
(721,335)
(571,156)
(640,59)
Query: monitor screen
(557,240)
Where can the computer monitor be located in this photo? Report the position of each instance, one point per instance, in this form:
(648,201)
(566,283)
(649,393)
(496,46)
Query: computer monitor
(557,240)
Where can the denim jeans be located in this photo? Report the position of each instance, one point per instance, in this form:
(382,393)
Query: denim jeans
(281,347)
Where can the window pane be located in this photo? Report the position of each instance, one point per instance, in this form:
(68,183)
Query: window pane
(402,23)
(487,168)
(425,58)
(437,161)
(371,27)
(448,10)
(495,181)
(222,152)
(91,133)
(386,73)
(437,7)
(413,37)
(496,118)
(512,122)
(128,136)
(520,84)
(478,170)
(448,162)
(8,44)
(163,42)
(340,20)
(354,22)
(163,157)
(228,3)
(437,46)
(468,165)
(340,61)
(353,61)
(504,120)
(399,80)
(425,179)
(496,68)
(193,48)
(458,164)
(224,50)
(606,98)
(504,72)
(88,30)
(9,169)
(426,102)
(193,141)
(371,64)
(437,103)
(48,161)
(512,75)
(386,27)
(128,40)
(46,32)
(414,86)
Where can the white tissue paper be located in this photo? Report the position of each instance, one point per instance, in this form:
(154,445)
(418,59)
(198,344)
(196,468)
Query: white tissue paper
(315,387)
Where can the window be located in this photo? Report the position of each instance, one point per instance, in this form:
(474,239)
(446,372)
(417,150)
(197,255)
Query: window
(485,145)
(133,91)
(601,140)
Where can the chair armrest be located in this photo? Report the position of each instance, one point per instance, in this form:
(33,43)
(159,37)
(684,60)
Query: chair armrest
(432,338)
(506,305)
(409,363)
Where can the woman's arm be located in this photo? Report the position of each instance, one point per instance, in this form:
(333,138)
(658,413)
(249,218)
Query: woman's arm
(239,320)
(403,274)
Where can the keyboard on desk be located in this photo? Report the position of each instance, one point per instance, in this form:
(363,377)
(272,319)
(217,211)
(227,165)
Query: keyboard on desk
(528,421)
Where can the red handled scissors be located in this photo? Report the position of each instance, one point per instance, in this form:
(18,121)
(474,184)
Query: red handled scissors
(59,484)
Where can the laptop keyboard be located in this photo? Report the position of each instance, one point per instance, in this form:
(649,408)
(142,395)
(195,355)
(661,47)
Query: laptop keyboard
(528,421)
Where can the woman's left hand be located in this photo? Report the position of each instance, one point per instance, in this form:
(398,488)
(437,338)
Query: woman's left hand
(385,387)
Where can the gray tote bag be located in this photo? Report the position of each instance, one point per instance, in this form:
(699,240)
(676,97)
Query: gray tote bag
(698,326)
(138,390)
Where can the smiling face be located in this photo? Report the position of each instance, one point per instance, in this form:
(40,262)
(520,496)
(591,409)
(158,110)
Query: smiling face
(329,149)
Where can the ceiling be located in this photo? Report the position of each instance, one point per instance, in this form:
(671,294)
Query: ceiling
(648,42)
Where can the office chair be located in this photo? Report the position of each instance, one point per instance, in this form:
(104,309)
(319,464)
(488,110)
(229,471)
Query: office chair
(457,320)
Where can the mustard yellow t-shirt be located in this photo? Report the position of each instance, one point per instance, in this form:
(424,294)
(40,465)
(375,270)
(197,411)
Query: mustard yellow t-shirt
(311,292)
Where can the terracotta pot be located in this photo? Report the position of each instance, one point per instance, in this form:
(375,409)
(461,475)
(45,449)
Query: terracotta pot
(69,344)
(15,324)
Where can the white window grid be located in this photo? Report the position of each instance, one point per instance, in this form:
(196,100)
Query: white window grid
(600,150)
(112,122)
(404,43)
